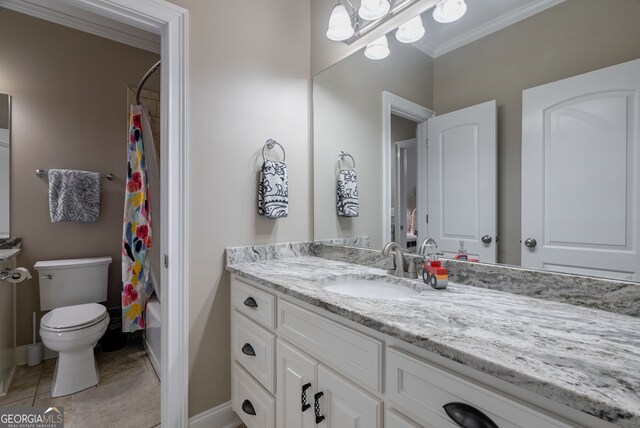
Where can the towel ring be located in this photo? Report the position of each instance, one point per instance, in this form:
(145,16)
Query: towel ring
(342,155)
(270,144)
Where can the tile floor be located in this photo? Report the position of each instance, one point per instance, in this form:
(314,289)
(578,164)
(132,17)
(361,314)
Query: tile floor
(128,393)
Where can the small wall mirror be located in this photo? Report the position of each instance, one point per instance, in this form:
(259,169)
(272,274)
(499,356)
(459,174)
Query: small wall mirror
(5,163)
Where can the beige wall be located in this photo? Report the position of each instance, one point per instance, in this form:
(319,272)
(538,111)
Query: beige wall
(69,110)
(249,81)
(348,116)
(574,37)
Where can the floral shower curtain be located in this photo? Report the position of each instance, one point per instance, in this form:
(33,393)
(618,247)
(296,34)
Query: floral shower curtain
(136,241)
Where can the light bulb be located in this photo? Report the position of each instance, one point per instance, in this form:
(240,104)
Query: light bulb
(339,24)
(373,9)
(378,49)
(411,31)
(449,10)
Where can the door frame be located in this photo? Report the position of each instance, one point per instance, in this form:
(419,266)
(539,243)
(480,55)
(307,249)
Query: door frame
(394,104)
(171,23)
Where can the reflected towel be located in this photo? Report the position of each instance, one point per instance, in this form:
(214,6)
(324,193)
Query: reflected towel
(74,196)
(273,190)
(347,193)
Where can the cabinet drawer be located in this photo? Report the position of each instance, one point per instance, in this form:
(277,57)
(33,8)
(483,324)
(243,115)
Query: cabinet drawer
(254,303)
(254,348)
(422,390)
(393,419)
(255,406)
(354,355)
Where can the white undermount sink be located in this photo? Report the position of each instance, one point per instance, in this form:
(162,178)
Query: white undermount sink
(369,288)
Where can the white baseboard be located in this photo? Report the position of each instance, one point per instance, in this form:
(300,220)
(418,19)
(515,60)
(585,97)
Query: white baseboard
(221,416)
(21,354)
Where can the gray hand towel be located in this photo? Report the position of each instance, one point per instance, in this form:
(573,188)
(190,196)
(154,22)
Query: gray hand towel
(74,196)
(273,190)
(347,193)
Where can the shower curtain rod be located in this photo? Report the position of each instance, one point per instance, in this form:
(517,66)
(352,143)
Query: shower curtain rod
(144,80)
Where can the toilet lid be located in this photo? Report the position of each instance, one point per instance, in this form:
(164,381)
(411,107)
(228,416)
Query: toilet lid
(73,317)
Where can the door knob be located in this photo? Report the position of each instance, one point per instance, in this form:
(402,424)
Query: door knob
(486,239)
(530,242)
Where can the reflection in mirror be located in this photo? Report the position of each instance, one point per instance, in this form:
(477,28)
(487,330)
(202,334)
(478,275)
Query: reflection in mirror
(5,134)
(530,116)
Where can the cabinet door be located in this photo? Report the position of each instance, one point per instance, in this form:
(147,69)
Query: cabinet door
(295,371)
(345,405)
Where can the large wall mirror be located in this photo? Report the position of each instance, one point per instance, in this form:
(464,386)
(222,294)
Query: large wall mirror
(513,132)
(5,163)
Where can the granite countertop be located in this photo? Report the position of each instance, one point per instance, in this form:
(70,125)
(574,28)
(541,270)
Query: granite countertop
(587,359)
(8,253)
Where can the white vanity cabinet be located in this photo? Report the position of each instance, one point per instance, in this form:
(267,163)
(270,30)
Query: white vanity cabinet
(295,367)
(7,325)
(310,394)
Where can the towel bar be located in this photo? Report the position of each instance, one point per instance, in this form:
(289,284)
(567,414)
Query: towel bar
(270,144)
(44,173)
(342,155)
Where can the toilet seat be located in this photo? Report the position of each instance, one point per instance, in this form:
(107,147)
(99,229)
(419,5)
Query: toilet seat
(71,318)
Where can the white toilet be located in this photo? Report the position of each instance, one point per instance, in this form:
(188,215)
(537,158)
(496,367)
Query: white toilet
(71,290)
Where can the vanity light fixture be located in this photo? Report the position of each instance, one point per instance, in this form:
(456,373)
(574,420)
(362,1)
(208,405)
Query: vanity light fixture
(340,27)
(378,49)
(411,31)
(449,10)
(373,9)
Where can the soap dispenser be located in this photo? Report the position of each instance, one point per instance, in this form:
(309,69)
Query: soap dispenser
(433,273)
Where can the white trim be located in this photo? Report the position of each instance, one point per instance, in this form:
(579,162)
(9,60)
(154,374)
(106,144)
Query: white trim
(494,25)
(393,104)
(89,23)
(171,23)
(221,416)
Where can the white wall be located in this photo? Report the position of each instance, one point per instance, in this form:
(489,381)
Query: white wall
(249,81)
(348,116)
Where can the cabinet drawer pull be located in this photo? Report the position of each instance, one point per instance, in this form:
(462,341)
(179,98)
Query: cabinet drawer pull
(303,398)
(247,407)
(316,406)
(247,349)
(467,416)
(251,302)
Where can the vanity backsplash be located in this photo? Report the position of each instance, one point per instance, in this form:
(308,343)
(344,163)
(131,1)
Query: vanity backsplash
(621,297)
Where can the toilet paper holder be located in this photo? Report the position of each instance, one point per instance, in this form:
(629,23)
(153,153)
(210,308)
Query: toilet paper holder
(14,275)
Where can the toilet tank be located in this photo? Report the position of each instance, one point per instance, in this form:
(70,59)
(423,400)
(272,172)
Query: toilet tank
(72,282)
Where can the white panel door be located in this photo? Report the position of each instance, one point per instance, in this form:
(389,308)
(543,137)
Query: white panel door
(580,163)
(344,405)
(296,372)
(462,181)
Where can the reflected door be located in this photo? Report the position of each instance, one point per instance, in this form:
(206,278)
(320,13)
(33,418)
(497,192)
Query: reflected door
(461,181)
(580,165)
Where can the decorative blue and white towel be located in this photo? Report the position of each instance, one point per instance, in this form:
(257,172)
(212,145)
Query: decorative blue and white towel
(273,190)
(74,196)
(347,193)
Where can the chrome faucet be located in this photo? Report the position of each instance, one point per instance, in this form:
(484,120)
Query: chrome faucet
(401,268)
(425,244)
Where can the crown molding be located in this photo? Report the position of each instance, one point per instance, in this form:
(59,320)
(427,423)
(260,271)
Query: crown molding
(494,25)
(87,22)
